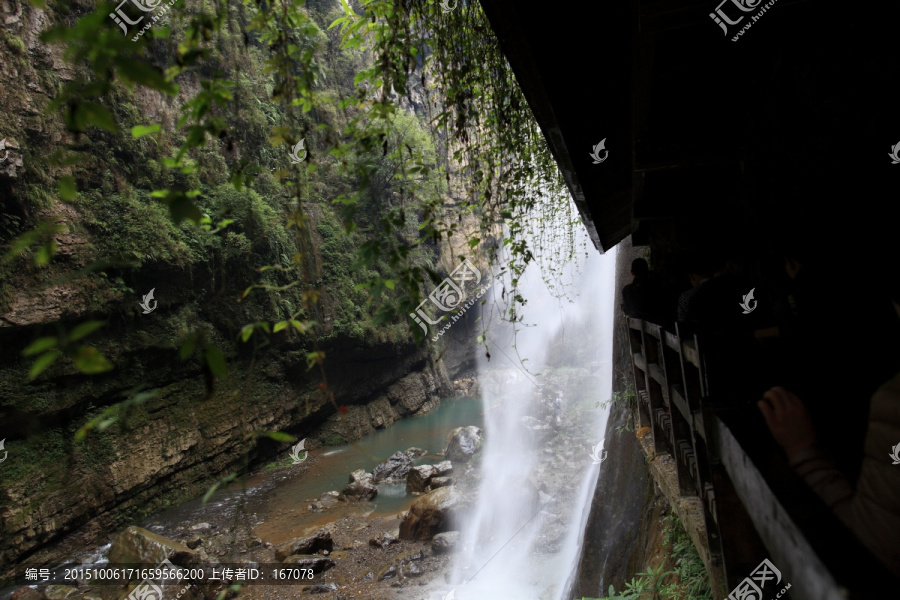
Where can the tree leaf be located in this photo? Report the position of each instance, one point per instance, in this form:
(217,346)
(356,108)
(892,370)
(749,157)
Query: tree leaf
(41,364)
(85,329)
(39,345)
(279,326)
(139,131)
(67,188)
(89,360)
(279,436)
(215,360)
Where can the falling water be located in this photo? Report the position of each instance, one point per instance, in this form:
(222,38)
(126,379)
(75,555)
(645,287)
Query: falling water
(510,549)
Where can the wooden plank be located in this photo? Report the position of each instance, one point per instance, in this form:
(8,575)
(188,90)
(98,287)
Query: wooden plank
(788,548)
(658,376)
(652,329)
(678,400)
(634,323)
(699,426)
(639,361)
(689,351)
(672,342)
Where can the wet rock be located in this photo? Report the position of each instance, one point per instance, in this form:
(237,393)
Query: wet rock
(137,545)
(388,572)
(59,592)
(358,492)
(201,527)
(443,468)
(463,442)
(433,513)
(317,563)
(383,540)
(324,588)
(193,543)
(394,468)
(438,482)
(415,452)
(418,477)
(359,476)
(368,576)
(26,593)
(445,543)
(413,570)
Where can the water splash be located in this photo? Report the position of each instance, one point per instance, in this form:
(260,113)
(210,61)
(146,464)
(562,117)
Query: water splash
(524,536)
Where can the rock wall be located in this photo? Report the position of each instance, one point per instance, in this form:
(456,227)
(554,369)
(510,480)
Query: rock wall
(621,521)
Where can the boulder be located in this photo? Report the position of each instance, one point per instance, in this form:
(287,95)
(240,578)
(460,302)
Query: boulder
(444,467)
(359,476)
(418,477)
(438,482)
(433,513)
(462,443)
(324,588)
(445,543)
(59,592)
(316,563)
(394,468)
(26,593)
(309,545)
(360,491)
(139,546)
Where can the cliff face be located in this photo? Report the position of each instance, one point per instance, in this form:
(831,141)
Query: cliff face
(164,427)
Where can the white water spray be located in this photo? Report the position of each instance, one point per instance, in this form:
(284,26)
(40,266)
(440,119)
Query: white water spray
(523,539)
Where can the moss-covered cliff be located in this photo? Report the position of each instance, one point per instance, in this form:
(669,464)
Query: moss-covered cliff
(179,424)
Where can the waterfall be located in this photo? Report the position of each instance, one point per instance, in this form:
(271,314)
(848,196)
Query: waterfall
(519,541)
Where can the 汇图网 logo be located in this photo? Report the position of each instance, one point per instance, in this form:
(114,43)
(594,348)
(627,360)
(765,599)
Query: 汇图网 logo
(745,303)
(145,6)
(298,153)
(895,153)
(449,294)
(895,454)
(145,303)
(596,453)
(596,152)
(752,587)
(295,453)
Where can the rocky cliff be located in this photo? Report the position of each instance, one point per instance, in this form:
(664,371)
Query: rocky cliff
(165,425)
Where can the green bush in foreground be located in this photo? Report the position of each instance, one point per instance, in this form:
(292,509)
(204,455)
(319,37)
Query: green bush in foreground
(690,581)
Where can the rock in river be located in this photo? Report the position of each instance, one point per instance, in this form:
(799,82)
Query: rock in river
(358,491)
(463,442)
(418,477)
(394,468)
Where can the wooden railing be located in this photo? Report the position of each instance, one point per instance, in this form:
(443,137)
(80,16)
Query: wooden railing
(749,514)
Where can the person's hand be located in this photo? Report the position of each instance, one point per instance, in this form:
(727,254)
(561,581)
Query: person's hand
(788,421)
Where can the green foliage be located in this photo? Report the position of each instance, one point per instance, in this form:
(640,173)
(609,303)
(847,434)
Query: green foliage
(688,580)
(47,349)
